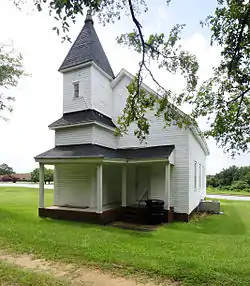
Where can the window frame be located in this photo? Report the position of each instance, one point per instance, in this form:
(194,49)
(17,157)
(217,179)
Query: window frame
(195,175)
(204,177)
(76,86)
(200,177)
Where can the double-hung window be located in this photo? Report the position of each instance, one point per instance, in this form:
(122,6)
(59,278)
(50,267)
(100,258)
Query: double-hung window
(200,177)
(195,175)
(76,89)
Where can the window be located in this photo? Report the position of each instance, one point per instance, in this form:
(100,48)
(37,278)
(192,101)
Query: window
(200,176)
(76,89)
(204,177)
(195,175)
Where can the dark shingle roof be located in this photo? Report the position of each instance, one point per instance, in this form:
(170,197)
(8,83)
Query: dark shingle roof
(87,48)
(88,115)
(97,151)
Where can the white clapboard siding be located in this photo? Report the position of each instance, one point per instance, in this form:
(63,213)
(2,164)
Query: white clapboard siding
(142,181)
(71,104)
(157,189)
(197,154)
(160,136)
(74,135)
(131,184)
(101,92)
(112,184)
(73,185)
(104,137)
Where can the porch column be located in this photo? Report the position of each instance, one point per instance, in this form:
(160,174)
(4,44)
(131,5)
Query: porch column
(99,189)
(41,185)
(124,185)
(167,185)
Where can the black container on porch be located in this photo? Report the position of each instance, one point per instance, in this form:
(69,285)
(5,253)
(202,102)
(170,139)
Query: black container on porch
(150,212)
(155,209)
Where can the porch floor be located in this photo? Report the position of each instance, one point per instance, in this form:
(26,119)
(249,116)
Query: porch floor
(86,209)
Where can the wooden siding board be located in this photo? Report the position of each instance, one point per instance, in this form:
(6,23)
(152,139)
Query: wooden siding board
(112,184)
(104,137)
(71,104)
(157,188)
(197,154)
(74,185)
(131,184)
(74,135)
(101,92)
(160,136)
(86,135)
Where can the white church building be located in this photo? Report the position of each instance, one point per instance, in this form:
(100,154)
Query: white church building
(98,176)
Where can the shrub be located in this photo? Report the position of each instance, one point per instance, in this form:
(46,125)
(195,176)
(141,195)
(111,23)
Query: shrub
(6,178)
(240,185)
(225,188)
(14,179)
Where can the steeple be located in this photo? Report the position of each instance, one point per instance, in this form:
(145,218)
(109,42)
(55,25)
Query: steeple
(87,48)
(89,17)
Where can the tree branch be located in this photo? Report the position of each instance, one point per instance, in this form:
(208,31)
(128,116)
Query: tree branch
(160,53)
(238,111)
(239,39)
(139,28)
(142,63)
(239,96)
(153,78)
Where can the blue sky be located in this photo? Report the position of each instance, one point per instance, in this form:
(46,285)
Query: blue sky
(39,96)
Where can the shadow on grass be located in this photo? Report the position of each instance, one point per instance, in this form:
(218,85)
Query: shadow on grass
(228,223)
(32,220)
(106,228)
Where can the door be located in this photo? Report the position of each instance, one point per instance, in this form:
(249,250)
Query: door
(142,182)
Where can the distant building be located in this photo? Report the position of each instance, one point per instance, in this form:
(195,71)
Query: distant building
(20,177)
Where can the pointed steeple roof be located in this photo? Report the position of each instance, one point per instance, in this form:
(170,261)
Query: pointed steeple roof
(87,48)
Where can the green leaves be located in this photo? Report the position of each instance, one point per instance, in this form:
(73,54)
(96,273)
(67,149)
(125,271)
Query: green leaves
(11,70)
(170,56)
(48,175)
(225,97)
(6,170)
(222,99)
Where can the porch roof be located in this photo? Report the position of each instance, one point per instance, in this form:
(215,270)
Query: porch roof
(96,151)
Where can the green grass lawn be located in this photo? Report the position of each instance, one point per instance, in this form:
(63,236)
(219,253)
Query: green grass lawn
(216,191)
(11,275)
(214,250)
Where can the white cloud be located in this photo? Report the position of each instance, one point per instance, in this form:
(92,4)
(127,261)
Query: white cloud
(39,97)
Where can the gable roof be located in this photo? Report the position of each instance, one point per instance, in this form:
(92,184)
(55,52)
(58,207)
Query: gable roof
(194,129)
(87,48)
(84,116)
(97,151)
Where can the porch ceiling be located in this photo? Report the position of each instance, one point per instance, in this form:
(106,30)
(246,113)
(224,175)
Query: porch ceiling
(95,152)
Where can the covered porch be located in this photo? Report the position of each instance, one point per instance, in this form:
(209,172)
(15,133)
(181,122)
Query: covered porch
(101,189)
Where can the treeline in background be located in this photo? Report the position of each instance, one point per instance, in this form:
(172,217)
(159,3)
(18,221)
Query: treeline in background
(233,178)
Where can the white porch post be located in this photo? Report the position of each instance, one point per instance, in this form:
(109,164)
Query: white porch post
(41,185)
(124,185)
(99,189)
(167,185)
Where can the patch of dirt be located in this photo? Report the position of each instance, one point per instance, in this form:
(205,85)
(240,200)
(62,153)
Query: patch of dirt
(75,275)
